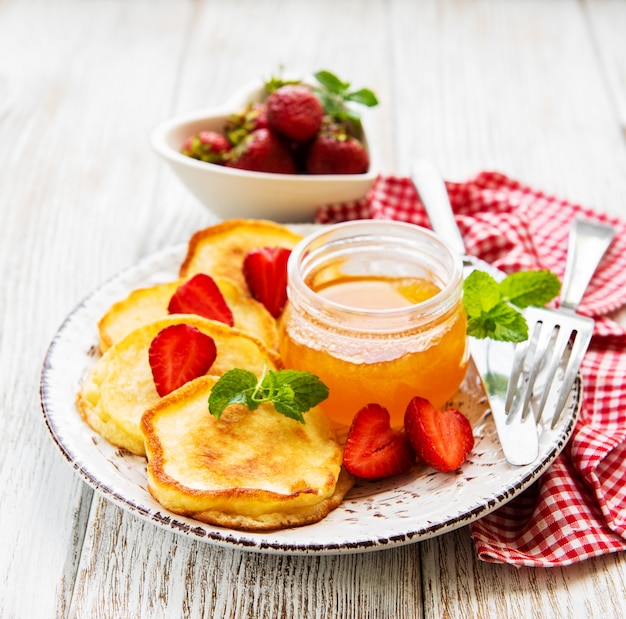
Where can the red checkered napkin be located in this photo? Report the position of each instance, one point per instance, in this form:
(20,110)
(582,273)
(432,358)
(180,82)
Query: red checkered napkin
(577,509)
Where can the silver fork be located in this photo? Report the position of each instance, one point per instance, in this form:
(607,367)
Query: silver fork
(558,339)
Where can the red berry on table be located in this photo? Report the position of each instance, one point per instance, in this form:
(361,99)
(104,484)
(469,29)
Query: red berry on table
(262,151)
(265,271)
(208,146)
(441,439)
(294,112)
(373,449)
(336,152)
(200,295)
(179,353)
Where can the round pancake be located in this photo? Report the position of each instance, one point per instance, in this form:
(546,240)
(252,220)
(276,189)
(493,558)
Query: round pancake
(220,250)
(251,470)
(145,305)
(120,387)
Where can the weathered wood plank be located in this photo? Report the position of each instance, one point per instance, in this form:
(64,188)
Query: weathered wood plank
(607,21)
(513,86)
(132,568)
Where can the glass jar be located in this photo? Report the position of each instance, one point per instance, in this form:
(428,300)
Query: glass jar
(375,310)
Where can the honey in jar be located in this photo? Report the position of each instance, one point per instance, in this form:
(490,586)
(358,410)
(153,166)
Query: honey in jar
(375,310)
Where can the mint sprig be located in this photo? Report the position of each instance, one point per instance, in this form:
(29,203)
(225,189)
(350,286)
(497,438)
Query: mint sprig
(335,95)
(292,392)
(490,305)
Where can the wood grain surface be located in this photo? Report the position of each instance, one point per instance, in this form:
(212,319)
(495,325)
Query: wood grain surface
(534,89)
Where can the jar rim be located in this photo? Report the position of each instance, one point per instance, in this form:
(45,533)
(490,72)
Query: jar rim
(403,233)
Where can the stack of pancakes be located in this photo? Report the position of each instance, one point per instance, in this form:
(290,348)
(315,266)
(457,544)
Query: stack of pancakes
(252,470)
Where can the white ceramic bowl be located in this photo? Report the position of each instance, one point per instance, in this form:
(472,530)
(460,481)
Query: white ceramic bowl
(230,193)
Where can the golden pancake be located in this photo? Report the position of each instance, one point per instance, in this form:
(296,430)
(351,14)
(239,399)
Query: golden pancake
(120,387)
(251,470)
(221,249)
(146,305)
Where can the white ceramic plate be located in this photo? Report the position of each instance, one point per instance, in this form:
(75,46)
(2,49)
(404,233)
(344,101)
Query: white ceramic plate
(374,515)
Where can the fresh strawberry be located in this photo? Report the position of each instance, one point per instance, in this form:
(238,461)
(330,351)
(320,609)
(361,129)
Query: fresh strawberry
(240,124)
(336,152)
(373,449)
(208,146)
(441,439)
(201,295)
(265,270)
(179,353)
(262,151)
(294,112)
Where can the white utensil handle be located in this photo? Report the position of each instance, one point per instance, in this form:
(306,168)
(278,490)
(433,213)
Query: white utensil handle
(434,196)
(588,242)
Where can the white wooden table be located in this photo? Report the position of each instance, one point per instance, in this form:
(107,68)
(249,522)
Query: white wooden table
(534,89)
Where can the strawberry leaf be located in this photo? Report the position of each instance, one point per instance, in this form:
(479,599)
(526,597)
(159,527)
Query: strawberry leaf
(334,94)
(331,82)
(364,96)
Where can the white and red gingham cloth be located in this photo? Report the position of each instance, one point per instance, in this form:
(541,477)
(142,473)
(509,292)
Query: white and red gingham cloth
(577,509)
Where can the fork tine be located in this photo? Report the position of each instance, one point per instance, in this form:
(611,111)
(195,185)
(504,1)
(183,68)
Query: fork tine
(545,337)
(557,354)
(512,389)
(547,347)
(581,341)
(533,356)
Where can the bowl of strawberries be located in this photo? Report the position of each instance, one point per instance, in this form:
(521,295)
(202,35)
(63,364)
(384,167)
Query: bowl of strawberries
(277,149)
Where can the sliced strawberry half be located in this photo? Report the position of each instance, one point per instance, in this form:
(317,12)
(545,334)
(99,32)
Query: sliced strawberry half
(178,354)
(441,439)
(373,449)
(265,270)
(200,295)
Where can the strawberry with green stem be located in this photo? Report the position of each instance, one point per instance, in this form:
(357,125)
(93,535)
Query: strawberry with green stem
(262,151)
(294,112)
(208,146)
(334,151)
(243,123)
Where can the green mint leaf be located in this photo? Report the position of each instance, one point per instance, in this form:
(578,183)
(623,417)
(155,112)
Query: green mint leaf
(502,322)
(289,409)
(364,96)
(480,293)
(305,389)
(290,391)
(334,95)
(233,387)
(489,304)
(331,82)
(530,288)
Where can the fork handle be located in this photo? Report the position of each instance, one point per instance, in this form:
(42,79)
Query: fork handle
(434,196)
(588,242)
